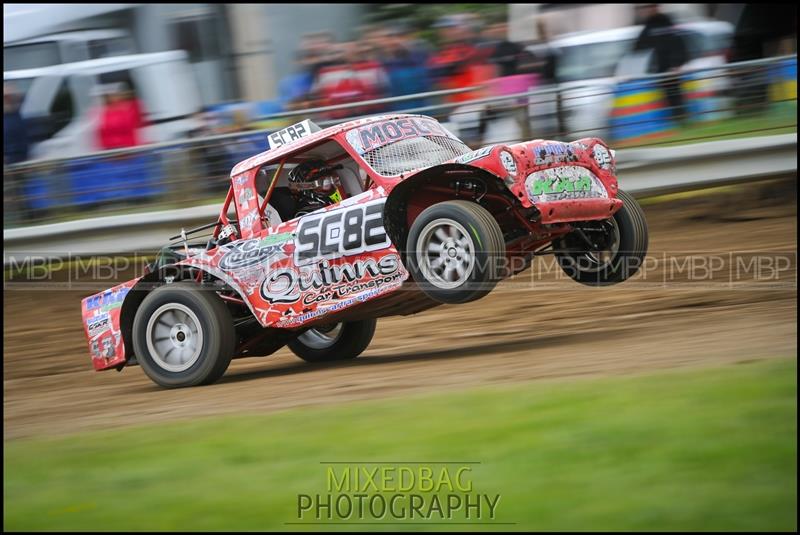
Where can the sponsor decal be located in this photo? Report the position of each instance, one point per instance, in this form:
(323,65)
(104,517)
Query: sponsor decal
(98,324)
(474,155)
(579,145)
(291,133)
(245,196)
(560,183)
(339,305)
(273,218)
(322,282)
(602,157)
(508,163)
(272,239)
(103,348)
(246,253)
(107,300)
(376,135)
(249,219)
(226,232)
(240,180)
(341,232)
(551,153)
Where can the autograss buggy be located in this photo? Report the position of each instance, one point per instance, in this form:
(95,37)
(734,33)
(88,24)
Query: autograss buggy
(330,229)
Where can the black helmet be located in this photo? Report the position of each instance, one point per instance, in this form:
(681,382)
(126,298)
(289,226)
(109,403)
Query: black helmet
(316,181)
(309,172)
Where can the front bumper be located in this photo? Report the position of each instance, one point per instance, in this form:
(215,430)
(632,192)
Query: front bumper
(101,314)
(565,181)
(577,210)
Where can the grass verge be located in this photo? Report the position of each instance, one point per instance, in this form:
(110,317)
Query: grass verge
(704,449)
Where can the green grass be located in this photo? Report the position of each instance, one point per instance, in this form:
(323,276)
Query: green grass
(781,120)
(705,449)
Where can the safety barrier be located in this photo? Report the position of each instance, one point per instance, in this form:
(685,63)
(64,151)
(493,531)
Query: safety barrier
(641,111)
(706,95)
(783,82)
(642,171)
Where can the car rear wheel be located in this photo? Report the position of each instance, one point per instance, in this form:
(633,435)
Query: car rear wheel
(455,251)
(334,341)
(600,253)
(183,336)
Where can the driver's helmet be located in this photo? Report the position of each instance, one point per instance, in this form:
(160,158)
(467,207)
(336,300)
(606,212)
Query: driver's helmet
(316,182)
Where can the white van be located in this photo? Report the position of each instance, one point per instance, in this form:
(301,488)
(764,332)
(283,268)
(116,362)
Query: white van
(58,100)
(588,65)
(66,47)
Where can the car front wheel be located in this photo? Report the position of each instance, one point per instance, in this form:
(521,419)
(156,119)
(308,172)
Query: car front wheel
(600,253)
(455,251)
(183,336)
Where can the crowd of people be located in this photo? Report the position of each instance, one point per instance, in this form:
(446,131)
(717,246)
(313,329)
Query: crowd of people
(393,61)
(462,54)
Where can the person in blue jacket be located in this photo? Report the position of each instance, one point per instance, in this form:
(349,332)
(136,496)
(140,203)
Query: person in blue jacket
(15,132)
(405,62)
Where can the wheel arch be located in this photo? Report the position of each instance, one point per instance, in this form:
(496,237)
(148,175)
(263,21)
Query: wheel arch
(153,280)
(395,218)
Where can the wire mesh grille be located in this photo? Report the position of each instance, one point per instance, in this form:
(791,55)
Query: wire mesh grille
(414,153)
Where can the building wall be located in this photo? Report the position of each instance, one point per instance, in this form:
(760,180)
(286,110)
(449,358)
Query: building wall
(266,39)
(154,29)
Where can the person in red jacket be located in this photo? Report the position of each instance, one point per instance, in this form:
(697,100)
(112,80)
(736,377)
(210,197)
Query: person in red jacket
(352,76)
(459,63)
(120,120)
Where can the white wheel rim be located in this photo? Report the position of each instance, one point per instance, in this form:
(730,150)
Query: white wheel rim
(445,253)
(322,337)
(174,337)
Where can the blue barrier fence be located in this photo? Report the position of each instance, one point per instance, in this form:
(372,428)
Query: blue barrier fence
(141,176)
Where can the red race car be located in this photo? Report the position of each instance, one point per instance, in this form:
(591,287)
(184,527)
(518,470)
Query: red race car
(330,229)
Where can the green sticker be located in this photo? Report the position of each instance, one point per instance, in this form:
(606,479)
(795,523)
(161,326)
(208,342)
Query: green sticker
(475,232)
(110,306)
(561,185)
(276,238)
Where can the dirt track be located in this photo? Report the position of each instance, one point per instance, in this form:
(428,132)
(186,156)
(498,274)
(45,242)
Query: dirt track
(556,328)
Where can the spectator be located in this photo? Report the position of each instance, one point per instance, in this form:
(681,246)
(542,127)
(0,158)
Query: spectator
(459,63)
(294,90)
(323,52)
(549,119)
(504,54)
(405,65)
(120,119)
(15,132)
(350,79)
(15,150)
(547,57)
(669,53)
(660,36)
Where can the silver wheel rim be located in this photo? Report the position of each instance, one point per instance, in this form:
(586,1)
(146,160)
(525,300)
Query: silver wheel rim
(601,259)
(174,337)
(445,253)
(321,337)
